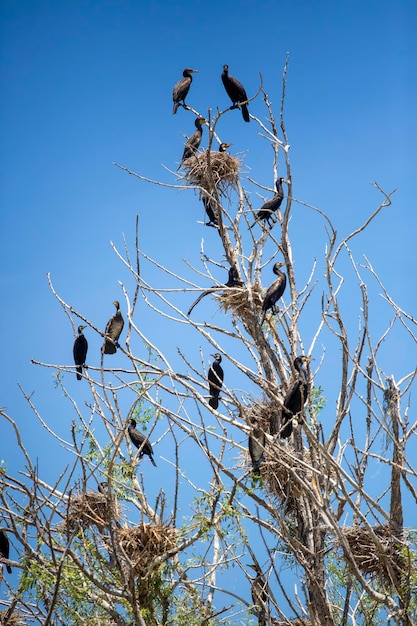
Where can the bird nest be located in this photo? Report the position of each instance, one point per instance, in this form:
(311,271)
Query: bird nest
(143,544)
(221,170)
(241,301)
(385,555)
(11,620)
(91,508)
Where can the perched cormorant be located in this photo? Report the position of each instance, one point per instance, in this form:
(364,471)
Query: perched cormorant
(259,595)
(236,92)
(296,397)
(112,333)
(256,444)
(5,548)
(232,281)
(80,351)
(215,380)
(180,90)
(192,144)
(271,205)
(208,205)
(274,292)
(223,146)
(140,441)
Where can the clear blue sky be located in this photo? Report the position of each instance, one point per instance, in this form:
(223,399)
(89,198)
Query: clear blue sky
(86,84)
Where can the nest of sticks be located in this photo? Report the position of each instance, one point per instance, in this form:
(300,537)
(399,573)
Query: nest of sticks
(241,301)
(91,509)
(206,169)
(384,556)
(12,620)
(281,465)
(143,544)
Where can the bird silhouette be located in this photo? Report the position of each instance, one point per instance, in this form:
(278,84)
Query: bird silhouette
(215,380)
(140,441)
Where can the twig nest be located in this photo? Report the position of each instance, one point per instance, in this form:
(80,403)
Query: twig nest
(91,508)
(241,301)
(12,620)
(384,556)
(209,168)
(143,544)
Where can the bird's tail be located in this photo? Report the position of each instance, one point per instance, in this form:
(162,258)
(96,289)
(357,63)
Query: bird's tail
(214,402)
(152,460)
(79,372)
(175,109)
(245,112)
(286,426)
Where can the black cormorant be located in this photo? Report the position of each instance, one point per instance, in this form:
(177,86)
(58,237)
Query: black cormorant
(236,92)
(233,278)
(274,292)
(215,380)
(271,205)
(296,396)
(259,595)
(208,205)
(223,146)
(140,441)
(192,144)
(256,444)
(80,351)
(113,330)
(180,90)
(5,548)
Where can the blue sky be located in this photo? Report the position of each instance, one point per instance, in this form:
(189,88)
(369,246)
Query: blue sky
(87,84)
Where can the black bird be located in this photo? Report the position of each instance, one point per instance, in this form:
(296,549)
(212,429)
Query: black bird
(274,292)
(140,441)
(232,281)
(296,396)
(256,444)
(223,146)
(236,92)
(259,594)
(180,90)
(208,205)
(192,144)
(215,380)
(80,351)
(5,548)
(271,205)
(113,330)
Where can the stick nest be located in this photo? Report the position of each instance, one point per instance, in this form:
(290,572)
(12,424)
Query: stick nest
(206,169)
(283,470)
(143,544)
(384,556)
(13,620)
(241,301)
(92,509)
